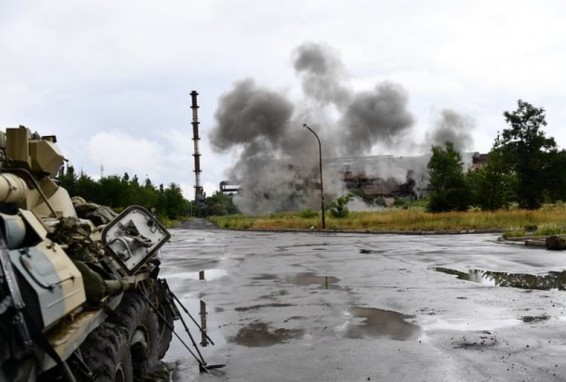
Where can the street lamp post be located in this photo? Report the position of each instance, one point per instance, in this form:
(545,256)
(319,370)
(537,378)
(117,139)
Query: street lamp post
(322,209)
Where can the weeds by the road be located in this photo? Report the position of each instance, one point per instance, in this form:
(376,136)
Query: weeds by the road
(548,220)
(169,223)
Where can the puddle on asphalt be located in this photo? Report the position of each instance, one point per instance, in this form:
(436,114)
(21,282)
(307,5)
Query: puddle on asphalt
(326,282)
(204,329)
(551,280)
(376,323)
(208,275)
(265,276)
(258,334)
(464,324)
(303,279)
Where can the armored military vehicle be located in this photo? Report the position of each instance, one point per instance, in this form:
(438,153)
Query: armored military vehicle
(80,293)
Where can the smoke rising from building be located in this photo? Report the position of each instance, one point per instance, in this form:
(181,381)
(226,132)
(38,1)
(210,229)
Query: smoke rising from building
(452,127)
(278,159)
(380,115)
(322,74)
(253,117)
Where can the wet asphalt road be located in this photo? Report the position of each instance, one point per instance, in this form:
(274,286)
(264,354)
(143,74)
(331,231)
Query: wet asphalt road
(354,307)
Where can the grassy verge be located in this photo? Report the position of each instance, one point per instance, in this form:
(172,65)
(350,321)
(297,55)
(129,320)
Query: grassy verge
(547,220)
(169,223)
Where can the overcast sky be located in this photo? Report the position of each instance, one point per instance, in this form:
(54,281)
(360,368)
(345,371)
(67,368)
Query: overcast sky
(112,78)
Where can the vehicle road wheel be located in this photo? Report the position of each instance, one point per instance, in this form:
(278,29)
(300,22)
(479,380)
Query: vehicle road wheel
(106,351)
(136,316)
(159,296)
(165,333)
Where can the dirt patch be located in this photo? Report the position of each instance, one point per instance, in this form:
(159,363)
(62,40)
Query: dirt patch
(261,306)
(484,339)
(258,334)
(540,318)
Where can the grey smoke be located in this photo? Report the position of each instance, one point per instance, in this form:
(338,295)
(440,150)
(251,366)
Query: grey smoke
(322,74)
(278,159)
(452,127)
(257,122)
(377,116)
(250,116)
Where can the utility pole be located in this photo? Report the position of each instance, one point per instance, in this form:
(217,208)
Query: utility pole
(322,209)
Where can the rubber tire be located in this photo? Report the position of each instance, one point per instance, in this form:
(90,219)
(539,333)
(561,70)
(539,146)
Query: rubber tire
(106,351)
(165,334)
(158,296)
(137,317)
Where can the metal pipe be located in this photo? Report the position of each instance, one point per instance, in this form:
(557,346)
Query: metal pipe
(322,209)
(12,188)
(35,184)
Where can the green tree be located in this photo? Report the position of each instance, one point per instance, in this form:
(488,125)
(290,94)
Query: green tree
(172,203)
(113,192)
(556,176)
(527,150)
(67,178)
(120,192)
(219,204)
(448,183)
(493,185)
(87,188)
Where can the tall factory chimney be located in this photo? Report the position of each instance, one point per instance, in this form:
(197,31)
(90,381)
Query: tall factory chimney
(199,196)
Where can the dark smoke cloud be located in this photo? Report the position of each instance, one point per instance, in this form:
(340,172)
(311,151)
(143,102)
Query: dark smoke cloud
(452,127)
(377,116)
(250,115)
(278,159)
(258,121)
(322,74)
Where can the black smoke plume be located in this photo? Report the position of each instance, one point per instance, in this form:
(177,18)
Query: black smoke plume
(380,115)
(277,161)
(452,127)
(322,74)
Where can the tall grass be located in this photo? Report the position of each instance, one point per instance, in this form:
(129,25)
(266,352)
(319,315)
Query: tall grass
(549,220)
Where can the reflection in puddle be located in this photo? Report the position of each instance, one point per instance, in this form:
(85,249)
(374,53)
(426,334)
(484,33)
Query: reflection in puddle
(257,334)
(199,311)
(203,335)
(326,282)
(552,280)
(464,324)
(208,274)
(265,276)
(372,322)
(303,279)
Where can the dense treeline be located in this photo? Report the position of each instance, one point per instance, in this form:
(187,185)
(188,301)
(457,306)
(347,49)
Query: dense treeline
(119,192)
(524,167)
(216,205)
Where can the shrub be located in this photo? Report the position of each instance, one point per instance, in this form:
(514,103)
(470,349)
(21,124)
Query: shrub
(549,229)
(338,207)
(308,214)
(400,202)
